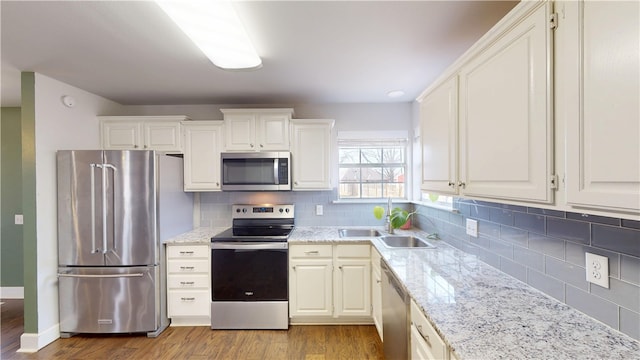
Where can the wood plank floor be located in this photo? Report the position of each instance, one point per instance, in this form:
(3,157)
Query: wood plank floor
(299,342)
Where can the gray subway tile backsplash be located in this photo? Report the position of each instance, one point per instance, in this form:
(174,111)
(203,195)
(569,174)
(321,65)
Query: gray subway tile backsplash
(626,241)
(546,248)
(576,231)
(596,307)
(594,218)
(630,269)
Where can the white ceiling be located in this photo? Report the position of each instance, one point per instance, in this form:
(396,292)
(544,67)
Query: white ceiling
(312,51)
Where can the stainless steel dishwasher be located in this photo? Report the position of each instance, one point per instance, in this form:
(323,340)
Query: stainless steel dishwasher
(395,325)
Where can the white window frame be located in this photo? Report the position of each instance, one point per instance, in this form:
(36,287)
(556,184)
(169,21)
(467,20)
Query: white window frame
(375,139)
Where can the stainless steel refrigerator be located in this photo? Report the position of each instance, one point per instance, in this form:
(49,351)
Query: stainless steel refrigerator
(114,210)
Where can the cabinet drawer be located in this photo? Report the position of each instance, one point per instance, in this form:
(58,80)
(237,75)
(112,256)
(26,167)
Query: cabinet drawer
(194,281)
(351,251)
(188,266)
(310,251)
(188,251)
(425,333)
(188,303)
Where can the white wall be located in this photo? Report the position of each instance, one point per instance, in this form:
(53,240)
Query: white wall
(57,127)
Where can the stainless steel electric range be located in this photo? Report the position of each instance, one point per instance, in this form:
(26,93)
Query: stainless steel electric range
(249,269)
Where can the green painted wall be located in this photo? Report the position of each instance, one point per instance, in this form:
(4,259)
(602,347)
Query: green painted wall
(11,253)
(29,234)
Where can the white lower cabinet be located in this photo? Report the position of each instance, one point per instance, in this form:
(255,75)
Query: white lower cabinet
(376,290)
(188,285)
(425,342)
(329,283)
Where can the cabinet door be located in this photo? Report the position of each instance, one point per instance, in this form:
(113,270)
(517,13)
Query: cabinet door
(439,136)
(376,299)
(203,144)
(311,154)
(162,136)
(121,135)
(273,132)
(601,71)
(310,287)
(353,287)
(506,123)
(240,132)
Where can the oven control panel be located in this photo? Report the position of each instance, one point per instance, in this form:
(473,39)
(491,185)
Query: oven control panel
(262,211)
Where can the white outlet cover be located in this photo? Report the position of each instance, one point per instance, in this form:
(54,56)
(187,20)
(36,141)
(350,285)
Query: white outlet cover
(319,210)
(18,219)
(472,227)
(597,269)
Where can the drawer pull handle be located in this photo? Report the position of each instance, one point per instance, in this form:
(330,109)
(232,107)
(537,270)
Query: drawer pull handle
(311,252)
(187,282)
(424,336)
(187,298)
(186,252)
(187,267)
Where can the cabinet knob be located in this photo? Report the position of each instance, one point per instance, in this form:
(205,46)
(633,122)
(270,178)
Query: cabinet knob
(295,183)
(145,146)
(452,184)
(261,145)
(461,184)
(135,146)
(251,145)
(217,184)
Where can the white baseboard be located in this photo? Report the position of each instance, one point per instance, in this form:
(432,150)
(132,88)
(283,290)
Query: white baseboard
(30,343)
(12,292)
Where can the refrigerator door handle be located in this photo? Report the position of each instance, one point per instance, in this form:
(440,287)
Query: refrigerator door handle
(104,207)
(93,208)
(101,276)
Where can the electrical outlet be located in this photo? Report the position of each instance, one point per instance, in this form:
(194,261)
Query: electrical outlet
(597,269)
(472,227)
(319,210)
(18,219)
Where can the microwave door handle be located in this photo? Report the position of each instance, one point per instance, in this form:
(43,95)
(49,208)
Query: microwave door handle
(275,171)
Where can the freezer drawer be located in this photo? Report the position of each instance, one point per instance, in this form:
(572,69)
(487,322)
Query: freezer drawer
(109,300)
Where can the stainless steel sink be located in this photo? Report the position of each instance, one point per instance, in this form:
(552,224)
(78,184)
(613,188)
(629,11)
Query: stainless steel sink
(405,241)
(358,233)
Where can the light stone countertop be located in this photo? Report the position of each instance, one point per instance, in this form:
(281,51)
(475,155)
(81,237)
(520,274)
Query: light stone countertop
(196,236)
(483,313)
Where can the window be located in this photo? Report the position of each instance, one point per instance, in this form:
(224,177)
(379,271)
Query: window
(372,169)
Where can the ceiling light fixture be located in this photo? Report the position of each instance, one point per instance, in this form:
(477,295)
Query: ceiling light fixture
(395,93)
(216,29)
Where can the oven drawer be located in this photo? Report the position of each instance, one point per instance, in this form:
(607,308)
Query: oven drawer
(310,251)
(188,251)
(195,281)
(188,303)
(188,266)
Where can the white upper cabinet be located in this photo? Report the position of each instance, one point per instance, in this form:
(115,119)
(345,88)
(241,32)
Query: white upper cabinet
(311,154)
(202,146)
(162,133)
(439,137)
(599,69)
(257,129)
(506,123)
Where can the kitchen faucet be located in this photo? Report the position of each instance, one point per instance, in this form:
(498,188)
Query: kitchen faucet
(388,221)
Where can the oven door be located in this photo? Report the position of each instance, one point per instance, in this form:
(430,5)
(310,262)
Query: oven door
(249,271)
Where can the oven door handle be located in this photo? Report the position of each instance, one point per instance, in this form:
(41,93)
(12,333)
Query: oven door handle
(249,245)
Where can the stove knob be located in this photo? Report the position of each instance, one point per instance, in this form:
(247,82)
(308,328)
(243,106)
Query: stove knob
(244,210)
(280,210)
(287,209)
(237,210)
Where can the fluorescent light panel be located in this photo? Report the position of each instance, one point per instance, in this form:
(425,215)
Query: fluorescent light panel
(215,28)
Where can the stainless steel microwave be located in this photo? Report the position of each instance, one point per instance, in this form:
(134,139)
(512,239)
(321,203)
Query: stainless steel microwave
(256,171)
